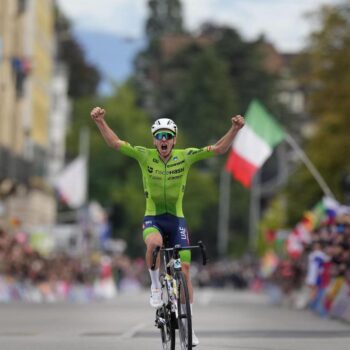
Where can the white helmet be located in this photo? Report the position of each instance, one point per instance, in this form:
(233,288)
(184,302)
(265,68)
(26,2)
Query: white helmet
(164,124)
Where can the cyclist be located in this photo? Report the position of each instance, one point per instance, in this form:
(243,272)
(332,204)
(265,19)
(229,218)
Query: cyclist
(164,171)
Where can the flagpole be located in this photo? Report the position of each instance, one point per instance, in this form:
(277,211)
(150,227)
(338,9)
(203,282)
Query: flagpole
(254,209)
(84,151)
(224,213)
(82,212)
(317,176)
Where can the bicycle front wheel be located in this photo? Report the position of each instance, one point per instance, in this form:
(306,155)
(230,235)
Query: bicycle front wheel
(168,320)
(184,313)
(167,328)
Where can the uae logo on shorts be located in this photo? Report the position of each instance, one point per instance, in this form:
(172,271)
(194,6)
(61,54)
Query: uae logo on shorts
(183,232)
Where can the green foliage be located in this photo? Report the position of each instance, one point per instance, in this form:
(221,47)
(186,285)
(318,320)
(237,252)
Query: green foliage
(206,98)
(274,218)
(83,76)
(237,246)
(327,69)
(201,192)
(115,180)
(246,67)
(239,219)
(165,17)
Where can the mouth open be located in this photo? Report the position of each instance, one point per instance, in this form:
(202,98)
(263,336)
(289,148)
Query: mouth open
(164,147)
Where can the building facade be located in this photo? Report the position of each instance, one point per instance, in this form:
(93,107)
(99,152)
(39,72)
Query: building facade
(27,40)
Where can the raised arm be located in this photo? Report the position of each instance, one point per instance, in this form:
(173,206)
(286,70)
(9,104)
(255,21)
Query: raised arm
(98,116)
(223,145)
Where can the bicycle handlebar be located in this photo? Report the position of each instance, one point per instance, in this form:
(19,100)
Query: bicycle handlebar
(178,248)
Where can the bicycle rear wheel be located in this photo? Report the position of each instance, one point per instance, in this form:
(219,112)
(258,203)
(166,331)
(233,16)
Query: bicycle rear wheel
(167,328)
(184,313)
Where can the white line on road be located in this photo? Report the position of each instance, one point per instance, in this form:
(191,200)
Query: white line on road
(132,331)
(205,297)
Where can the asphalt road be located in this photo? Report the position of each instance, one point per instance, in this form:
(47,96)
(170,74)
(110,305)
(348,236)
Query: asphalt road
(222,319)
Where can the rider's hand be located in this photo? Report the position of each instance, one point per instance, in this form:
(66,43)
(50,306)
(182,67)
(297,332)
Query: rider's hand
(238,122)
(98,114)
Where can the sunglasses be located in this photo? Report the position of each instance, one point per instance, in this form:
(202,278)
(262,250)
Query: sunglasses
(164,134)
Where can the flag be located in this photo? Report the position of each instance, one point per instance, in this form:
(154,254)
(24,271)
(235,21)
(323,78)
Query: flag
(253,144)
(294,245)
(269,264)
(71,183)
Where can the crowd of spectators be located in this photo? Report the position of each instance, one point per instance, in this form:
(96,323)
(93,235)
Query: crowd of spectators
(26,274)
(227,273)
(319,279)
(29,275)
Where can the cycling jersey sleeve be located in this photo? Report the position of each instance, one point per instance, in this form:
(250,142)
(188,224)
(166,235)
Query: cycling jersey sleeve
(136,152)
(193,155)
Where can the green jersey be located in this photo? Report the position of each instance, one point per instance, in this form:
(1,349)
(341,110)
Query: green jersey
(164,183)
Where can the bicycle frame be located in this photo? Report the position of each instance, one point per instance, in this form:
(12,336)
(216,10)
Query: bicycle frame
(169,317)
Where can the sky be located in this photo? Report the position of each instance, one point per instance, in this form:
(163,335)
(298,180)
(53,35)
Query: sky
(111,32)
(281,21)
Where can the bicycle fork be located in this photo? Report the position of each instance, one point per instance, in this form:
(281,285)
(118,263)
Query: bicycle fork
(169,283)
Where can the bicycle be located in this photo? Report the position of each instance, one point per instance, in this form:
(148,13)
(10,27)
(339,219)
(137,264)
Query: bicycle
(176,310)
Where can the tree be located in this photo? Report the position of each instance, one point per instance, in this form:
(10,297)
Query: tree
(327,71)
(165,18)
(83,76)
(205,99)
(115,180)
(245,62)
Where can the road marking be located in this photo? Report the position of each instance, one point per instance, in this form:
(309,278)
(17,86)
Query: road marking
(130,333)
(205,297)
(18,334)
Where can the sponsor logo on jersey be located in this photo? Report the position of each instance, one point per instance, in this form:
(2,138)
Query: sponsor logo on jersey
(175,177)
(172,172)
(155,160)
(150,169)
(192,152)
(175,158)
(176,171)
(175,164)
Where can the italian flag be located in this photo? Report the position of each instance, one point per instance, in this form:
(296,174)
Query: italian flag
(253,144)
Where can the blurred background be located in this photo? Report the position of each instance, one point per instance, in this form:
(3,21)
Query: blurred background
(71,208)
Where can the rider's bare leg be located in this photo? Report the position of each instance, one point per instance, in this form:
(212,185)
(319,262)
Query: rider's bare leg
(186,271)
(152,241)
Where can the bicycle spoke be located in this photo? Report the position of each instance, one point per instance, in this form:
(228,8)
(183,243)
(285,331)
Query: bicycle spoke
(184,311)
(165,321)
